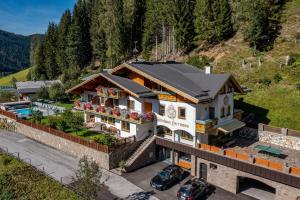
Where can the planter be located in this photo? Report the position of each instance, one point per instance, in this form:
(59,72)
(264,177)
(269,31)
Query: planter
(112,91)
(116,111)
(124,113)
(134,116)
(101,109)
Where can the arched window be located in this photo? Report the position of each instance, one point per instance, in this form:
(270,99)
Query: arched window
(162,130)
(185,135)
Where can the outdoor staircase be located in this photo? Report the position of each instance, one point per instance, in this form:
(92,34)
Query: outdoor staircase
(144,145)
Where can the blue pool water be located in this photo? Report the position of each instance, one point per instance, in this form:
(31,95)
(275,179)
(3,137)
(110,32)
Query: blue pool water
(25,111)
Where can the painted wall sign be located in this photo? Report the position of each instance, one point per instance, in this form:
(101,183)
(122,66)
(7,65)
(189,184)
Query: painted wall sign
(172,123)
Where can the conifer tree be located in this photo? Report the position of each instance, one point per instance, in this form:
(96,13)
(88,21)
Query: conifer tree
(63,30)
(52,69)
(224,26)
(114,31)
(38,71)
(184,23)
(98,33)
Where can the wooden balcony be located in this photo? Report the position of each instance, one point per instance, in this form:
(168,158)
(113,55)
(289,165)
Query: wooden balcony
(124,115)
(166,96)
(113,93)
(202,126)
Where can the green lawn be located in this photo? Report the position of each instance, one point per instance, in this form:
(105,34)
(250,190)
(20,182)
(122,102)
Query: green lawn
(20,181)
(65,105)
(20,76)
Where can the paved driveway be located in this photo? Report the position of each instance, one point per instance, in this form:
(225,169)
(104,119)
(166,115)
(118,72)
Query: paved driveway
(142,177)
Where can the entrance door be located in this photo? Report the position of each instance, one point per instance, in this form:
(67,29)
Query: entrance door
(147,107)
(203,171)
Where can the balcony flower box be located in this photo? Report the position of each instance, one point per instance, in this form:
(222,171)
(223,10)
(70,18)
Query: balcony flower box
(134,116)
(116,111)
(101,109)
(88,106)
(77,103)
(112,91)
(147,117)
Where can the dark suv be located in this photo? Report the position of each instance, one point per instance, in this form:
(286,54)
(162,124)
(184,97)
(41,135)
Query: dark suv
(193,189)
(167,177)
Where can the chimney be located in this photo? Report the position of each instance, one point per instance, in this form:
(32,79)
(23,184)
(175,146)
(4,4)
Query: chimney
(209,69)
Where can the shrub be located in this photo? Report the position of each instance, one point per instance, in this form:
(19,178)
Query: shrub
(122,164)
(5,96)
(87,178)
(75,122)
(298,86)
(277,78)
(52,121)
(61,124)
(105,139)
(199,61)
(265,81)
(43,93)
(37,116)
(57,92)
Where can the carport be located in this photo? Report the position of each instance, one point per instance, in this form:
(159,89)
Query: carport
(255,188)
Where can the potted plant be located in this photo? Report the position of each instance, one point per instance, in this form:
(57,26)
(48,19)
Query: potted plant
(101,109)
(77,103)
(116,111)
(89,106)
(134,116)
(122,164)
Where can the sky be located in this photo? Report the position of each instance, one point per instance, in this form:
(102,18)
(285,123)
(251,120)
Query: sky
(28,17)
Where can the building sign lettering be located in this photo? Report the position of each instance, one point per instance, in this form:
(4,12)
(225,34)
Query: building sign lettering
(172,123)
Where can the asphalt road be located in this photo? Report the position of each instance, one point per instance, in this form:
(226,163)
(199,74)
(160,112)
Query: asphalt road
(143,176)
(61,165)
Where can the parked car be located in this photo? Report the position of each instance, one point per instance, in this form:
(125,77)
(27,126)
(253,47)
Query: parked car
(193,189)
(167,177)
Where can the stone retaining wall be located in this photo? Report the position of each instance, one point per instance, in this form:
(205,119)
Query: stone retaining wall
(280,139)
(105,160)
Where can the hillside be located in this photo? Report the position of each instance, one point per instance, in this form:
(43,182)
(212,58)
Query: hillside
(20,76)
(14,51)
(275,96)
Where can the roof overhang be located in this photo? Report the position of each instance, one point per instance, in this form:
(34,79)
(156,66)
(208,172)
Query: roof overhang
(231,126)
(171,88)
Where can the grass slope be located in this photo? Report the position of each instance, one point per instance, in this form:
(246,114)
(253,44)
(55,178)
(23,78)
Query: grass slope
(19,181)
(20,76)
(279,103)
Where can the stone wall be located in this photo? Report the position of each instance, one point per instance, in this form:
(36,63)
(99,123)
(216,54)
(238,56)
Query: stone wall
(105,160)
(280,139)
(227,178)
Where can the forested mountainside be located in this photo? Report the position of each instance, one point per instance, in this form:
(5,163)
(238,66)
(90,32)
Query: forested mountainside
(257,42)
(14,51)
(105,32)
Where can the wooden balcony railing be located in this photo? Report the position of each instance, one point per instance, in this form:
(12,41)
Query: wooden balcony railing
(202,126)
(113,93)
(116,113)
(166,96)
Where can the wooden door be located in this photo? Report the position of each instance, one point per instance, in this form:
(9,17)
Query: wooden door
(147,107)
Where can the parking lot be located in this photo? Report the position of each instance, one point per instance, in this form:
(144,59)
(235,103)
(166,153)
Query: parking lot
(142,177)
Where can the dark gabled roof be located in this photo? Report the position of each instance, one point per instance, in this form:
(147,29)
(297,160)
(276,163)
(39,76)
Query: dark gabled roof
(185,78)
(30,87)
(124,83)
(128,85)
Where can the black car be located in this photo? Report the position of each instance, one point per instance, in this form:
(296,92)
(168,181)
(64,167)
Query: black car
(193,189)
(167,177)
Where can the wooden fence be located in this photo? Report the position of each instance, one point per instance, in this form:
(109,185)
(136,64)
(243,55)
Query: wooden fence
(88,143)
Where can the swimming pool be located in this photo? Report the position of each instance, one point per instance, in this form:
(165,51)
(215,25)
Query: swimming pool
(25,111)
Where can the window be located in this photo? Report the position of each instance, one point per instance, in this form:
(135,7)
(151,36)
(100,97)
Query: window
(228,110)
(101,99)
(125,126)
(161,110)
(222,112)
(185,135)
(111,120)
(130,104)
(181,113)
(90,97)
(103,119)
(116,102)
(211,112)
